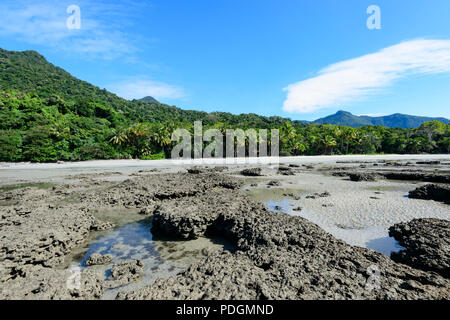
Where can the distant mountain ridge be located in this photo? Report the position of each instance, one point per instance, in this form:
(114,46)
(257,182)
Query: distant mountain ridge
(396,120)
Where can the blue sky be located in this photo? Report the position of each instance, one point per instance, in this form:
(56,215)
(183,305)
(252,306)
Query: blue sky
(301,59)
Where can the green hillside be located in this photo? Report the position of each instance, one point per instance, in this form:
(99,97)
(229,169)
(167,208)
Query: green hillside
(28,71)
(46,114)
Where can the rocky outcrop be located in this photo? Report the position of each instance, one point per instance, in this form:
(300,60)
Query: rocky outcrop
(147,190)
(364,176)
(274,256)
(393,175)
(195,170)
(34,240)
(278,256)
(274,183)
(199,170)
(340,174)
(417,176)
(191,218)
(431,192)
(285,171)
(426,243)
(41,227)
(42,236)
(96,259)
(127,271)
(432,162)
(41,283)
(252,172)
(318,195)
(148,210)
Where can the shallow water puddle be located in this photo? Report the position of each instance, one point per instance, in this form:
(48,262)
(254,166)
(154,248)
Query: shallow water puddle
(130,241)
(275,194)
(133,241)
(374,238)
(280,200)
(279,206)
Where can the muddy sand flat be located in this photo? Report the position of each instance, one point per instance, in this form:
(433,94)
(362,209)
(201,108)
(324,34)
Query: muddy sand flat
(300,230)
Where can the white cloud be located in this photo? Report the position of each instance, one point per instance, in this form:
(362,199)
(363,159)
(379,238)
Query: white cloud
(101,34)
(139,88)
(353,79)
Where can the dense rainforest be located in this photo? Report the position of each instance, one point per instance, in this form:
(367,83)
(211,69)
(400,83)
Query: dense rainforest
(48,115)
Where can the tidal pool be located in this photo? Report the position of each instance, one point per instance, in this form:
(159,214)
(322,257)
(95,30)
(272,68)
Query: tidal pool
(371,237)
(375,238)
(162,258)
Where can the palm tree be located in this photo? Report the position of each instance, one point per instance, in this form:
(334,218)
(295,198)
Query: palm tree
(299,147)
(288,133)
(288,136)
(315,143)
(163,137)
(120,136)
(328,142)
(349,136)
(416,145)
(139,130)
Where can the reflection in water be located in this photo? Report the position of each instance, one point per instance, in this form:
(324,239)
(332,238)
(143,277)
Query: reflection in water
(279,206)
(385,245)
(129,242)
(162,259)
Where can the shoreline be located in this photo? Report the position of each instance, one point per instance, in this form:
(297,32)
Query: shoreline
(133,163)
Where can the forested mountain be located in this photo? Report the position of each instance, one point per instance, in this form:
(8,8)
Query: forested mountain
(396,120)
(28,71)
(149,99)
(48,115)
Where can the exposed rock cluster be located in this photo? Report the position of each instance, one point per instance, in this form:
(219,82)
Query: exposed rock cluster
(419,176)
(364,176)
(277,257)
(252,172)
(96,259)
(431,192)
(126,271)
(426,242)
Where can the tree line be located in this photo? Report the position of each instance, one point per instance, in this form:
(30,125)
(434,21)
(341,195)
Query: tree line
(47,128)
